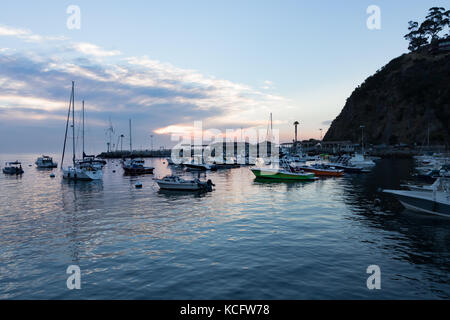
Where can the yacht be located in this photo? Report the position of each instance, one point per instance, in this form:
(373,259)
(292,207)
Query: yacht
(46,162)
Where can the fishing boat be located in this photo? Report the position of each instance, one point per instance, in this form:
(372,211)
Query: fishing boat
(320,170)
(13,168)
(79,170)
(136,166)
(46,162)
(282,174)
(436,202)
(177,183)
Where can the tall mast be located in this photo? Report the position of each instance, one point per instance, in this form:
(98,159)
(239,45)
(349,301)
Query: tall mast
(83,128)
(67,128)
(131,145)
(73,120)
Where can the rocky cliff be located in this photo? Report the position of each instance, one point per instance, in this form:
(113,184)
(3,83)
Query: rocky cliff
(399,103)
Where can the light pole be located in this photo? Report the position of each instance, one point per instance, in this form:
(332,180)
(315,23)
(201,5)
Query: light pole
(151,138)
(296,123)
(362,138)
(320,134)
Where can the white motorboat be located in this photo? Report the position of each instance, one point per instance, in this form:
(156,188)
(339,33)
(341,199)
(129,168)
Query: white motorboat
(46,162)
(436,202)
(358,160)
(177,183)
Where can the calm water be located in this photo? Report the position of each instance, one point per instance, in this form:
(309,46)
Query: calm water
(245,240)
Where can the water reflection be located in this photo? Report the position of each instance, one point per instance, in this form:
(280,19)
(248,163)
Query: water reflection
(258,239)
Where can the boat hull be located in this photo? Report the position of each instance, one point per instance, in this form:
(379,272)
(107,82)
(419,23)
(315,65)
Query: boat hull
(82,175)
(422,202)
(323,172)
(178,186)
(282,175)
(12,171)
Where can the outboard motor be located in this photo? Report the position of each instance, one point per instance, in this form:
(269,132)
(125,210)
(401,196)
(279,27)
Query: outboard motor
(209,185)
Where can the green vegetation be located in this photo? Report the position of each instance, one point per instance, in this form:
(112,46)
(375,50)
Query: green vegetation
(436,22)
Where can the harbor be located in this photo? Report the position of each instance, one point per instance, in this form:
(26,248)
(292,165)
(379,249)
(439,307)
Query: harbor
(258,239)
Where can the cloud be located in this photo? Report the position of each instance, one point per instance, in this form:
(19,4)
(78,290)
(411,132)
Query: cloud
(93,50)
(159,96)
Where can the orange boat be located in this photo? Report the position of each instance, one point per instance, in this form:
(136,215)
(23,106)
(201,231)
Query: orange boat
(320,171)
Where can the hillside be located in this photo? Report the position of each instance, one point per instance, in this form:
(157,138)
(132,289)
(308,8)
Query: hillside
(399,102)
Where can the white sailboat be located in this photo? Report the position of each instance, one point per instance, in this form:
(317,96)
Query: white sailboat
(77,171)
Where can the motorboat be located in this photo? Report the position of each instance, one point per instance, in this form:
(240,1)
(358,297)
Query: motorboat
(282,174)
(46,162)
(358,160)
(13,168)
(436,202)
(320,170)
(177,183)
(136,166)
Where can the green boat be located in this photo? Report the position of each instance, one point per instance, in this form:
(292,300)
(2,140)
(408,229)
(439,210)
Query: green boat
(281,174)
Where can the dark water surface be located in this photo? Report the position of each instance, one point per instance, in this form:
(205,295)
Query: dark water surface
(245,240)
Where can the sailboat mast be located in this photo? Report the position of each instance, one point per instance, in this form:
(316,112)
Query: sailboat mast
(131,145)
(67,128)
(83,128)
(73,120)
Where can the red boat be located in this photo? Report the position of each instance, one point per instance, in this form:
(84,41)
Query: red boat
(320,170)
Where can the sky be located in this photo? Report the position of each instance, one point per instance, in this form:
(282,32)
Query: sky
(166,64)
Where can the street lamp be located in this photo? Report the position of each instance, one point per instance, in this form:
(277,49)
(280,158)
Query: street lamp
(320,134)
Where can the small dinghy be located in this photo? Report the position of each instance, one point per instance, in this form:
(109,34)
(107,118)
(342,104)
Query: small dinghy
(177,183)
(13,168)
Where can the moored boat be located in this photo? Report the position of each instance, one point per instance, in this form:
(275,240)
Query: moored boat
(46,162)
(177,183)
(321,170)
(136,166)
(282,174)
(13,168)
(436,202)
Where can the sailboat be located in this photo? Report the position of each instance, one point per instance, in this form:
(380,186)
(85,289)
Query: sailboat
(79,170)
